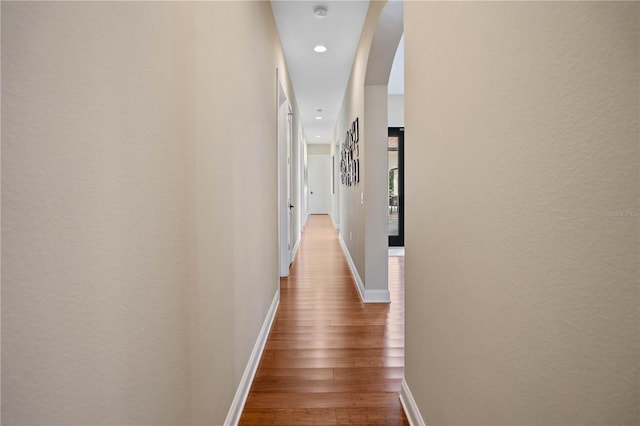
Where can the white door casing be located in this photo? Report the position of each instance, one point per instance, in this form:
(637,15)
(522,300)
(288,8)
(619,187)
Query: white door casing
(285,214)
(290,206)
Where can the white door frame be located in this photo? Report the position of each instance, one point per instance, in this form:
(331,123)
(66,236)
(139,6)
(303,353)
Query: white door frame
(291,208)
(285,216)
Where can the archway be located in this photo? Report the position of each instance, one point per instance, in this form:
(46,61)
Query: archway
(385,41)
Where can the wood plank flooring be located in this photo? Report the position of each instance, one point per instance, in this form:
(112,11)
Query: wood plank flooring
(330,359)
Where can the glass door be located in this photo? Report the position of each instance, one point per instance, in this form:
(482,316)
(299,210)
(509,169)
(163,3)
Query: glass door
(395,167)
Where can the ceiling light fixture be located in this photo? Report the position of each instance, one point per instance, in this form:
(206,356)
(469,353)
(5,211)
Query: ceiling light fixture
(318,118)
(320,48)
(317,136)
(320,12)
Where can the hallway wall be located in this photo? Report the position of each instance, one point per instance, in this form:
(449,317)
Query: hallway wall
(522,200)
(352,210)
(137,270)
(234,221)
(364,207)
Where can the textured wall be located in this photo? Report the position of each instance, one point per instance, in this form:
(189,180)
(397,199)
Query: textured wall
(234,187)
(521,144)
(94,218)
(137,269)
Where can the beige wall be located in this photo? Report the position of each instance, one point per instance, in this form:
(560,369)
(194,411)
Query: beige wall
(319,149)
(352,211)
(376,190)
(363,208)
(521,285)
(136,273)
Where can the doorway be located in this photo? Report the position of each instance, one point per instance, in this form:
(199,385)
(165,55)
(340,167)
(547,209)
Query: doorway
(395,167)
(319,183)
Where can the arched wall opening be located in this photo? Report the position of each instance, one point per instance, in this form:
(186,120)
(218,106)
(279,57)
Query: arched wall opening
(384,45)
(363,205)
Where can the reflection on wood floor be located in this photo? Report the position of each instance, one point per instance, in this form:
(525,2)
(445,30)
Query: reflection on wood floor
(330,359)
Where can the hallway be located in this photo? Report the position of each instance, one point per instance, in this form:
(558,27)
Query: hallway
(329,358)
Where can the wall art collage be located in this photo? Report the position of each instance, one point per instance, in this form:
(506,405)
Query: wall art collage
(349,161)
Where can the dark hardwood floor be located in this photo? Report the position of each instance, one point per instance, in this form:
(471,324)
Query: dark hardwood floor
(329,358)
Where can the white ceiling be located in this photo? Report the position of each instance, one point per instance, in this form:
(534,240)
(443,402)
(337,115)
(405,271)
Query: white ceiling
(319,79)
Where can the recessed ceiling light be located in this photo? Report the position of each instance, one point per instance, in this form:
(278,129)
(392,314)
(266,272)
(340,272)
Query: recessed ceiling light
(317,136)
(318,118)
(320,48)
(320,12)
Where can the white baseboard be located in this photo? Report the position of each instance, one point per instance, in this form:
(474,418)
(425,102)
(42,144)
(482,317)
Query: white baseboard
(295,248)
(335,225)
(409,405)
(377,296)
(240,398)
(352,266)
(367,296)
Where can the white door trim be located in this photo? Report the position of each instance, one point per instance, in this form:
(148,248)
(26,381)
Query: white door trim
(282,140)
